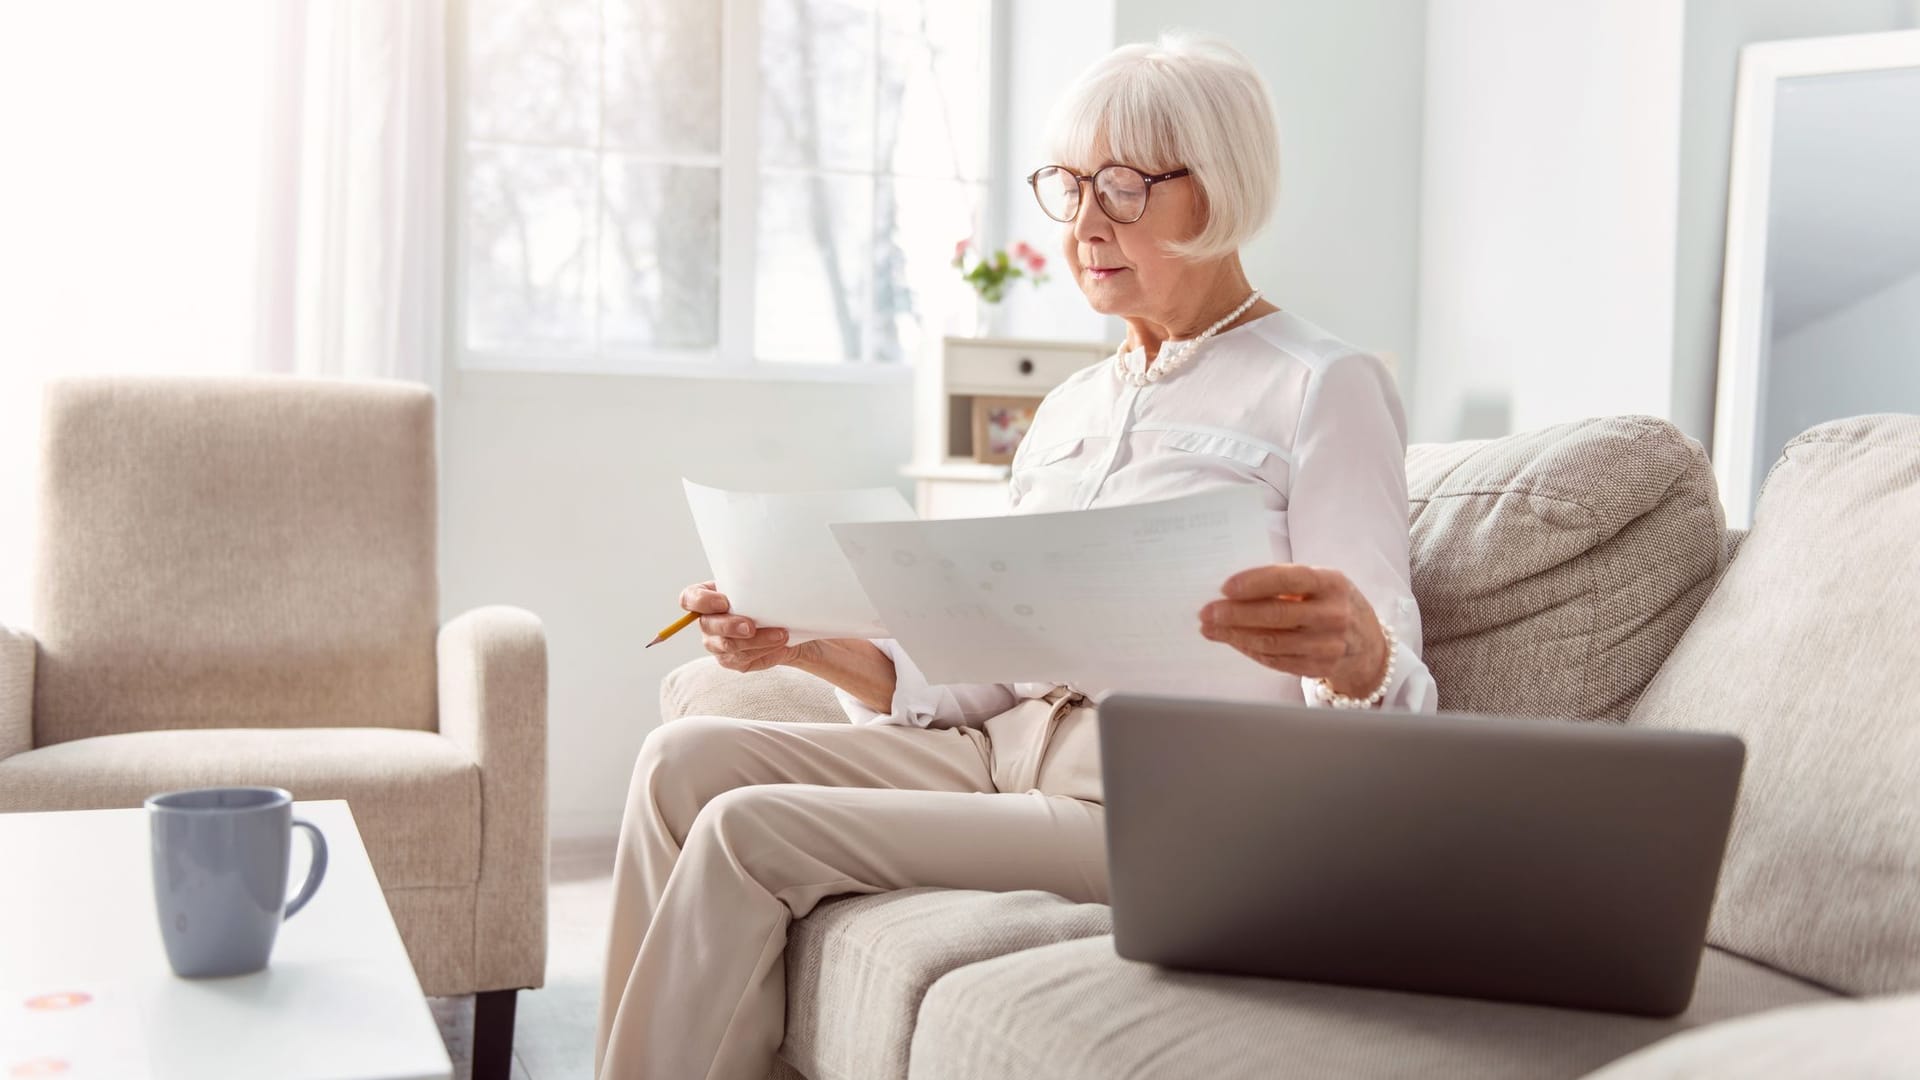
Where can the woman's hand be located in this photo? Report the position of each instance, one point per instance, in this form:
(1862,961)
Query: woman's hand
(734,640)
(1305,620)
(855,665)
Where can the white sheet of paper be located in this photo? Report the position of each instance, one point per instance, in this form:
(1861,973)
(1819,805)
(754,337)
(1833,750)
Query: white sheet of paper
(1106,599)
(775,559)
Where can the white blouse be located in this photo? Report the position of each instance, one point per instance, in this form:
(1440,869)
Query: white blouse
(1276,402)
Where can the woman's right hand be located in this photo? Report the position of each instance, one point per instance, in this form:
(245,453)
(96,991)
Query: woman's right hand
(734,640)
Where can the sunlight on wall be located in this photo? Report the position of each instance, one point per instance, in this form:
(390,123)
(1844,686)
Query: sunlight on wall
(127,204)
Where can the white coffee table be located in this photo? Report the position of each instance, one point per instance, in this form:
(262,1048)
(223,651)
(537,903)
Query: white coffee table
(84,978)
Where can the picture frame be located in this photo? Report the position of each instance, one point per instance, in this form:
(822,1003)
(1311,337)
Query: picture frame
(999,423)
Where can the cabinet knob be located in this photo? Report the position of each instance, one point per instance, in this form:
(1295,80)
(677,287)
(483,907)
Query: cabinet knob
(1026,366)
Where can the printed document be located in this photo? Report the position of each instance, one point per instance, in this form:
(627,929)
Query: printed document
(1106,598)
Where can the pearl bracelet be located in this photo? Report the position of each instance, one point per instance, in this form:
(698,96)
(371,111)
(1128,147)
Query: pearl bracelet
(1341,701)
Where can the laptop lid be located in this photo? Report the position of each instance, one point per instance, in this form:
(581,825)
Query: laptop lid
(1547,861)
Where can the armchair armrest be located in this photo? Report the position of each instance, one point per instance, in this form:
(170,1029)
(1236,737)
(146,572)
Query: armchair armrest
(18,652)
(493,702)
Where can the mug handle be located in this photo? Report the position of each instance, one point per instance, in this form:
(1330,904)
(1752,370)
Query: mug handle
(315,871)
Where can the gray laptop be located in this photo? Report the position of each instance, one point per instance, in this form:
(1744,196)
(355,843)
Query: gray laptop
(1544,861)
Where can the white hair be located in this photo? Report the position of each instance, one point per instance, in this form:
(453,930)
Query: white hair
(1183,101)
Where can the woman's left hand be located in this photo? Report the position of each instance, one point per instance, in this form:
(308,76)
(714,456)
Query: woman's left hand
(1306,620)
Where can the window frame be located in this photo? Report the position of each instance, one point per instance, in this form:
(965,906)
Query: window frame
(733,355)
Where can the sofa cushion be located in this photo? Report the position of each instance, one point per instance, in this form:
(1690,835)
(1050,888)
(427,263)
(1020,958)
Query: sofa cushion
(703,688)
(415,795)
(1555,569)
(1078,1011)
(1858,1039)
(858,966)
(1806,651)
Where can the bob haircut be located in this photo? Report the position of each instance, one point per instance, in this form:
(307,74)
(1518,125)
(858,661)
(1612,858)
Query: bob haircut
(1182,101)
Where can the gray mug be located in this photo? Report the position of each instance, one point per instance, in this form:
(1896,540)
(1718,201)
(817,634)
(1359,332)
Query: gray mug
(220,863)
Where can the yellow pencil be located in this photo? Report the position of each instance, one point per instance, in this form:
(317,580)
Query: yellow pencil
(679,624)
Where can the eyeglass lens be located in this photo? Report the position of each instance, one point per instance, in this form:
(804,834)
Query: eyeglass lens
(1121,191)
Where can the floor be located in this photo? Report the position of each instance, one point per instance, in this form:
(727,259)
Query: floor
(553,1030)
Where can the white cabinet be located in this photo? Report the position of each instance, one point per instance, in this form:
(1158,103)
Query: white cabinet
(948,479)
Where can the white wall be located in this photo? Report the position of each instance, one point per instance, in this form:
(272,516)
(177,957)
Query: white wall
(1547,213)
(1346,78)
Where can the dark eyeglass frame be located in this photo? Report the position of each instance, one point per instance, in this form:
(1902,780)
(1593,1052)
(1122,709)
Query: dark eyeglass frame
(1033,181)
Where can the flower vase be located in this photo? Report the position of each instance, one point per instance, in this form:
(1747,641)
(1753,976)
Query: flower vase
(983,318)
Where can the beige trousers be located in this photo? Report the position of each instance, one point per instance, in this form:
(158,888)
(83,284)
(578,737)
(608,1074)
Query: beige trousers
(734,828)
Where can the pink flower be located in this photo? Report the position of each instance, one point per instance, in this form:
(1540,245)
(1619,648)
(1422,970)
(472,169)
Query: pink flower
(960,248)
(1021,250)
(1037,262)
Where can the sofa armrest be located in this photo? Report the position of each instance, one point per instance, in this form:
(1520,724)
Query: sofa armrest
(18,652)
(1849,1037)
(493,702)
(703,688)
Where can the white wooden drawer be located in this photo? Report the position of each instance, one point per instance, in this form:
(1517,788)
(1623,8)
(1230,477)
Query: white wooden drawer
(1007,368)
(961,498)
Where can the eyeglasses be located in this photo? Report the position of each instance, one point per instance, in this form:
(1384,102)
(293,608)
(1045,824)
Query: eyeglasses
(1121,190)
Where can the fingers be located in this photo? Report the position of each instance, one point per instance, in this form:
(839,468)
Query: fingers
(1296,651)
(704,598)
(727,626)
(726,629)
(756,641)
(753,654)
(734,640)
(1270,613)
(1267,581)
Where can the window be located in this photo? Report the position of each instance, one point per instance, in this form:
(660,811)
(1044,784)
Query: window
(655,185)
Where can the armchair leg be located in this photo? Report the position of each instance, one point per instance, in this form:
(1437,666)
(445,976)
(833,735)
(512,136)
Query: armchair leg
(493,1034)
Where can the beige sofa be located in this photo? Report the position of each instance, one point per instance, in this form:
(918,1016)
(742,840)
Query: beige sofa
(1581,570)
(236,584)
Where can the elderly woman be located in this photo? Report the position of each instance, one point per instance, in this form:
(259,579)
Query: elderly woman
(1165,162)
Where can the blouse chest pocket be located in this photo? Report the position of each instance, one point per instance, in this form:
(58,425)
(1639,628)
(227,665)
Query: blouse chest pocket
(1029,460)
(1045,455)
(1252,455)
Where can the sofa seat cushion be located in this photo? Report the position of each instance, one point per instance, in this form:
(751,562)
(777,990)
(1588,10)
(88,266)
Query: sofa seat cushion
(857,966)
(1078,1011)
(1556,568)
(1806,651)
(415,795)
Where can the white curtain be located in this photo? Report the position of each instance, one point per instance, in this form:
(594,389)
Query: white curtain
(209,186)
(127,202)
(353,203)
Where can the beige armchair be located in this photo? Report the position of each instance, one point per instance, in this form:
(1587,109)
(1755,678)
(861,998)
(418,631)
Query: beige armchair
(236,584)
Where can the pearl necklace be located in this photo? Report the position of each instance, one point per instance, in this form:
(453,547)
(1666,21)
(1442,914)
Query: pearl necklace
(1168,364)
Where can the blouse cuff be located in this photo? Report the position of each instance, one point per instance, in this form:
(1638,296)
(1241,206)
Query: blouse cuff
(1412,688)
(918,703)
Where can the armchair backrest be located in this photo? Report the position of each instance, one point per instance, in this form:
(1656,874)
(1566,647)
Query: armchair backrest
(234,552)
